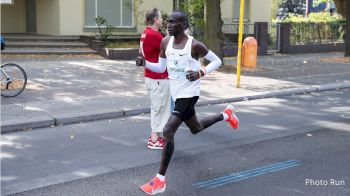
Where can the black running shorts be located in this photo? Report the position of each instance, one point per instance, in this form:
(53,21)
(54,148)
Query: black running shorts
(184,108)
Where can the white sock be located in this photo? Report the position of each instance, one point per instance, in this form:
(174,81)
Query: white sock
(160,177)
(225,116)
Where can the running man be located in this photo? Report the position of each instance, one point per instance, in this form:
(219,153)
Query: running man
(179,53)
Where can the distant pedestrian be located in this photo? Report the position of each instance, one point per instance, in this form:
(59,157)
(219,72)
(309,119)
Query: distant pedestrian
(157,84)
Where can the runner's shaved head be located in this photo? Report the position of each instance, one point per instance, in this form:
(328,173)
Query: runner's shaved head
(179,15)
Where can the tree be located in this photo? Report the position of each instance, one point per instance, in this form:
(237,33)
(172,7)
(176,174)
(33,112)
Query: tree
(205,22)
(343,9)
(347,38)
(317,2)
(195,12)
(177,4)
(213,36)
(290,6)
(103,33)
(275,7)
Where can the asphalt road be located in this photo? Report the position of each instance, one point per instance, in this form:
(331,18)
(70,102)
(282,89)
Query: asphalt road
(281,143)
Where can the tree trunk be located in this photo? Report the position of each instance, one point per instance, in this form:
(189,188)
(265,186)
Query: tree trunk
(340,5)
(213,36)
(177,4)
(347,31)
(343,8)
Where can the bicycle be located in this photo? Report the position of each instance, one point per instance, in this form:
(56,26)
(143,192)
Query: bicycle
(13,79)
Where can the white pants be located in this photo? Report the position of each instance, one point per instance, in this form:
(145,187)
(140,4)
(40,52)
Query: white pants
(159,93)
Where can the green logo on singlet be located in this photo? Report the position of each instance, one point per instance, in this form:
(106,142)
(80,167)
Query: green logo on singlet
(173,69)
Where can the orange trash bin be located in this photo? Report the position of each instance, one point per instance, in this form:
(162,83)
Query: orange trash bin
(249,52)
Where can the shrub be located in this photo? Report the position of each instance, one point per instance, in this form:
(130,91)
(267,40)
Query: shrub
(104,29)
(317,28)
(314,18)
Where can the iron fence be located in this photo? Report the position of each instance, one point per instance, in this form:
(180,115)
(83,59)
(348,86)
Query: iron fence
(274,37)
(230,29)
(316,33)
(231,26)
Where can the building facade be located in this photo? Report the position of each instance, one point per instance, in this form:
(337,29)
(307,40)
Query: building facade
(76,17)
(255,10)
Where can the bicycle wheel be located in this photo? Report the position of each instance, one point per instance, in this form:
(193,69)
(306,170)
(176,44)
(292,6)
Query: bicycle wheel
(13,80)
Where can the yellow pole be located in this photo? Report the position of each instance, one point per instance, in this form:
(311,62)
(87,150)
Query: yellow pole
(240,38)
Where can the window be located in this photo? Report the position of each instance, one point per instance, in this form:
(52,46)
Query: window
(118,13)
(236,7)
(6,2)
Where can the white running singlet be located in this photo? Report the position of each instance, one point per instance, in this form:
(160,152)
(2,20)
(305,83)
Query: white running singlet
(179,61)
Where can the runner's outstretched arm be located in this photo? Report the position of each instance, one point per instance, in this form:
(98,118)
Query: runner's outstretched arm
(159,67)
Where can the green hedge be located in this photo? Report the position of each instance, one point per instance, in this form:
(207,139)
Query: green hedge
(314,18)
(316,28)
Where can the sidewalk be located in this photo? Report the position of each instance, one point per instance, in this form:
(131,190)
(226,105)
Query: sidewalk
(72,90)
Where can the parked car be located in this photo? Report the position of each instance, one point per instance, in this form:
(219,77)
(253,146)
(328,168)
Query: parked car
(2,43)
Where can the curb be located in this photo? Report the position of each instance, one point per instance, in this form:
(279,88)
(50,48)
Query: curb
(41,122)
(67,52)
(26,125)
(72,118)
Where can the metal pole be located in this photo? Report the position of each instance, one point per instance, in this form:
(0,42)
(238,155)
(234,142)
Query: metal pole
(240,38)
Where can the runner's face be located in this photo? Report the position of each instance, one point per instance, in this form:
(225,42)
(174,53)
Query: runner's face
(174,25)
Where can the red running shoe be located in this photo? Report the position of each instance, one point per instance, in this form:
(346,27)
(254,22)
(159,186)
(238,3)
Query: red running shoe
(154,187)
(232,118)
